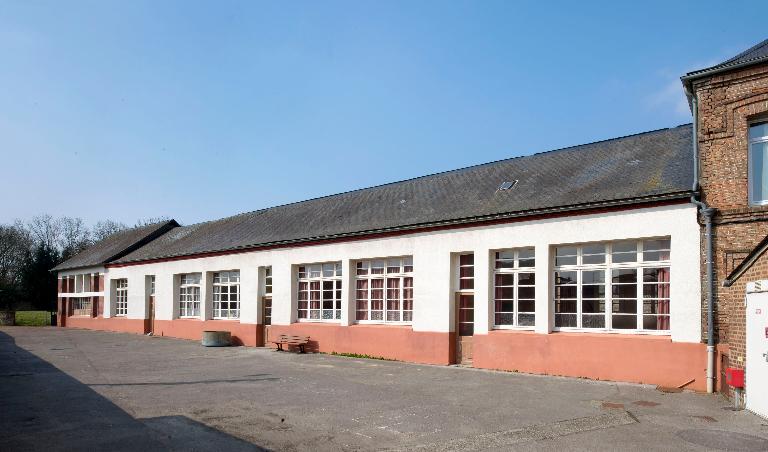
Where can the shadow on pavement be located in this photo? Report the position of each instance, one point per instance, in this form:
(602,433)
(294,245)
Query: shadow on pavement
(43,408)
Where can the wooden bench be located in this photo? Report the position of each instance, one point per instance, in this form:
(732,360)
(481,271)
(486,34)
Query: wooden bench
(287,339)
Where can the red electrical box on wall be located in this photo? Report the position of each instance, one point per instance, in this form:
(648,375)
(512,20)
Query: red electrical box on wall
(734,377)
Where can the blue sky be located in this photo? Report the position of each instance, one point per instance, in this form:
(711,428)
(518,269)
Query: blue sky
(199,110)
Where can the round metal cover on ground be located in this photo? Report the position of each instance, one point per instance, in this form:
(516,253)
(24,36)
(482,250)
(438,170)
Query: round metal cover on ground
(722,440)
(216,338)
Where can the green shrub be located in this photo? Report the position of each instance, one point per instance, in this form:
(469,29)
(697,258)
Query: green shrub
(33,318)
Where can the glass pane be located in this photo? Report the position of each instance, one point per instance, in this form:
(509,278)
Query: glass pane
(624,291)
(624,322)
(526,306)
(625,275)
(593,277)
(328,270)
(526,292)
(593,306)
(759,171)
(596,291)
(504,319)
(624,306)
(565,255)
(466,259)
(593,321)
(565,320)
(526,319)
(526,279)
(624,252)
(758,131)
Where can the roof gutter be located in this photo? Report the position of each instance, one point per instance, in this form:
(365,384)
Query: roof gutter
(707,213)
(421,227)
(690,77)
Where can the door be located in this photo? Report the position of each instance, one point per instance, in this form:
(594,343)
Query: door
(757,353)
(465,327)
(152,314)
(267,303)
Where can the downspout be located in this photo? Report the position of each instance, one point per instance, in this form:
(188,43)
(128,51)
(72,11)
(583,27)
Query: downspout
(707,213)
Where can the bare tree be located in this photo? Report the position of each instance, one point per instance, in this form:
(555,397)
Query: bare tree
(74,236)
(150,220)
(44,230)
(105,228)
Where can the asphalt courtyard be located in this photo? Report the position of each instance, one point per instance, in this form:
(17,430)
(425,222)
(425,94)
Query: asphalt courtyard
(66,389)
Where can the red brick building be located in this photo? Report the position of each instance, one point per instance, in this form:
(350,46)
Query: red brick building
(729,102)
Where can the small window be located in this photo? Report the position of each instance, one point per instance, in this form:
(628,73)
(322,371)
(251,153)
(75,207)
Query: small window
(226,295)
(189,295)
(758,164)
(268,280)
(121,297)
(514,280)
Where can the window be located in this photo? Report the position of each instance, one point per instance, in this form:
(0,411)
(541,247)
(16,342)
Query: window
(466,272)
(613,286)
(82,306)
(514,293)
(121,297)
(189,295)
(466,296)
(267,299)
(320,291)
(226,295)
(384,290)
(83,283)
(152,285)
(758,163)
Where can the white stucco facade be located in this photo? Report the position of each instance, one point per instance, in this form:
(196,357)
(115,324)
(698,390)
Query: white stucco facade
(434,257)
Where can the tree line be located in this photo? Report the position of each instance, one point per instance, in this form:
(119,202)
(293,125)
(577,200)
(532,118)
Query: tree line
(30,249)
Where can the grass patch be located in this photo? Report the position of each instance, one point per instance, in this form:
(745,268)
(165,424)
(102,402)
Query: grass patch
(358,355)
(33,318)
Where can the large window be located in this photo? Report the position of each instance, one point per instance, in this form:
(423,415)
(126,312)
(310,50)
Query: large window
(514,288)
(121,297)
(82,306)
(758,163)
(613,286)
(226,295)
(384,290)
(189,295)
(320,292)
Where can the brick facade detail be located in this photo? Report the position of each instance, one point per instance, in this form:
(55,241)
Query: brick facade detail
(728,104)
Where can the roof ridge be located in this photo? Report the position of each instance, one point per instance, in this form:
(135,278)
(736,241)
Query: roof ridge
(445,172)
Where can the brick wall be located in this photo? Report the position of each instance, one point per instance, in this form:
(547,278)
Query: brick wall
(727,105)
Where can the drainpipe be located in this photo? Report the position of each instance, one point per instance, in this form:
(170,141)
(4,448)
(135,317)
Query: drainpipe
(708,213)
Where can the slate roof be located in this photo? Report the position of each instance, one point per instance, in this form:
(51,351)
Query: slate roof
(638,168)
(753,55)
(116,245)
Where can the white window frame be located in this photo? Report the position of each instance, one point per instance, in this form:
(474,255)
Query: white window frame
(152,285)
(268,280)
(750,177)
(189,295)
(226,283)
(404,272)
(516,270)
(608,266)
(121,297)
(320,274)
